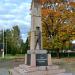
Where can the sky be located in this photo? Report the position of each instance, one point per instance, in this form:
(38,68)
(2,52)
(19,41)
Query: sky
(15,12)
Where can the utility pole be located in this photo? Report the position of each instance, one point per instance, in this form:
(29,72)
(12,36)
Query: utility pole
(3,45)
(6,46)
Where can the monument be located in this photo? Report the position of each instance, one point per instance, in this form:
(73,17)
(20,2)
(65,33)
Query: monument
(37,61)
(36,54)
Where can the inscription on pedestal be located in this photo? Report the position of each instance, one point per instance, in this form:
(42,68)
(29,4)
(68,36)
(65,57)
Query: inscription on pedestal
(28,59)
(41,60)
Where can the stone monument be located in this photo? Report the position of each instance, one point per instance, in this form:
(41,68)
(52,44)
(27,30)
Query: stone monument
(36,56)
(37,61)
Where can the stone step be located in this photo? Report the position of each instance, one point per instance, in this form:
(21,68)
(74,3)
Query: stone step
(37,73)
(14,72)
(43,72)
(20,71)
(25,65)
(48,67)
(39,68)
(30,69)
(53,67)
(64,74)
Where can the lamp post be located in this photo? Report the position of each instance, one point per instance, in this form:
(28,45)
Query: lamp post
(3,45)
(6,46)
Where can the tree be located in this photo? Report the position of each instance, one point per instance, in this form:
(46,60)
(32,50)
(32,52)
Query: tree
(13,40)
(25,46)
(58,25)
(16,38)
(7,41)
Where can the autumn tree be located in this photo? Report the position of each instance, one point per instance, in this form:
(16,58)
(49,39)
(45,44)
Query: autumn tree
(58,24)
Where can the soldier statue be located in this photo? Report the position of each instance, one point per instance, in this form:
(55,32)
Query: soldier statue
(38,38)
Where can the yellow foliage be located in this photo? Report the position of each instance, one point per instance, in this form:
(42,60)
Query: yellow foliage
(59,22)
(72,4)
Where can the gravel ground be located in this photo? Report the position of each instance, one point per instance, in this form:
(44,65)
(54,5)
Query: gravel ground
(68,64)
(5,65)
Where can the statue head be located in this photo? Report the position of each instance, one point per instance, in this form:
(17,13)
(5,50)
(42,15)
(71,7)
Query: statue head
(37,28)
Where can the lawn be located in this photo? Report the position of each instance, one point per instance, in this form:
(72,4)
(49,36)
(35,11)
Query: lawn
(10,57)
(67,63)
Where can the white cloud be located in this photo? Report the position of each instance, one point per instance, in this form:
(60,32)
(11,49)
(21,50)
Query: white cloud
(10,4)
(4,24)
(1,9)
(13,12)
(28,18)
(7,16)
(5,27)
(19,21)
(7,0)
(24,37)
(4,21)
(23,7)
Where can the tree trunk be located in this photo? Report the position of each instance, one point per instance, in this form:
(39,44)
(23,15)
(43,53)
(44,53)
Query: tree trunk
(58,54)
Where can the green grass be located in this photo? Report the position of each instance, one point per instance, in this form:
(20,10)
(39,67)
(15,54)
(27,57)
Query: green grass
(9,57)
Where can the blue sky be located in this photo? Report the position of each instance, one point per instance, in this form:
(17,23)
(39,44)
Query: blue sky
(15,12)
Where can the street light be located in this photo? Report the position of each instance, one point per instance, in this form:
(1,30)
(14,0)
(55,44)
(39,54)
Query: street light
(6,46)
(3,45)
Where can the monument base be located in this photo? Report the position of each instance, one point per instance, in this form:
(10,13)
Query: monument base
(39,70)
(38,58)
(38,62)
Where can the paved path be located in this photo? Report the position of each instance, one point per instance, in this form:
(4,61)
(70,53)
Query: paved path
(4,71)
(5,65)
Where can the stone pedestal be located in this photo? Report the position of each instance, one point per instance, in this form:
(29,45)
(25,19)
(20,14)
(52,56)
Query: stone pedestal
(38,58)
(49,60)
(33,58)
(25,59)
(38,62)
